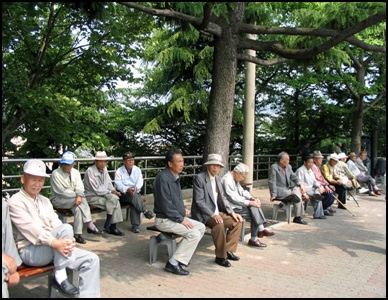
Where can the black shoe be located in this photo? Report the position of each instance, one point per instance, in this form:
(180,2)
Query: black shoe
(115,231)
(326,212)
(94,231)
(332,210)
(135,229)
(292,198)
(66,287)
(149,214)
(321,217)
(79,239)
(299,220)
(223,262)
(175,269)
(231,256)
(318,197)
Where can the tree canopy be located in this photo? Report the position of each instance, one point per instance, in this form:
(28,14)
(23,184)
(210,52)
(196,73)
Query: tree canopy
(319,64)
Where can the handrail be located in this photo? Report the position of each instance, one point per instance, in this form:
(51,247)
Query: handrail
(149,165)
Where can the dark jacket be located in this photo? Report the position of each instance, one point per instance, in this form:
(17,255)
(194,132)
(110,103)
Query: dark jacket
(168,201)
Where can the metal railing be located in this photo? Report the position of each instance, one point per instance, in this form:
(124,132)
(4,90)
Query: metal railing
(150,166)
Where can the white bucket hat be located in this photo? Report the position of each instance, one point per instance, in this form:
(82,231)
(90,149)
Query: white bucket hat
(35,167)
(333,156)
(214,159)
(101,155)
(342,155)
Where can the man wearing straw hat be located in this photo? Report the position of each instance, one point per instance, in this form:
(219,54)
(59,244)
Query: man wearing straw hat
(100,192)
(211,207)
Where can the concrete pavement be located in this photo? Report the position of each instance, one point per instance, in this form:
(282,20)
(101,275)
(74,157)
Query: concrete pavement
(343,256)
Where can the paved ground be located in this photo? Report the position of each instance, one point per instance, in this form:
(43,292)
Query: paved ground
(341,257)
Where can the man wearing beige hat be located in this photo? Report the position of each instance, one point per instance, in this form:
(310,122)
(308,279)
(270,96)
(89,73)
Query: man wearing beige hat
(41,238)
(100,192)
(211,207)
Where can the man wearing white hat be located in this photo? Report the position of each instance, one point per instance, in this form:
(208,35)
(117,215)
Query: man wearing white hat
(348,178)
(100,192)
(41,238)
(68,192)
(330,173)
(211,207)
(245,204)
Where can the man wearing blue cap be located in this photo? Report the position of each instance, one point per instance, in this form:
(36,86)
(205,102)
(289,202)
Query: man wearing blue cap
(68,192)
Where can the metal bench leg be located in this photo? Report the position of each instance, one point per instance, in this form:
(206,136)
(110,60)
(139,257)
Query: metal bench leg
(242,235)
(153,249)
(287,207)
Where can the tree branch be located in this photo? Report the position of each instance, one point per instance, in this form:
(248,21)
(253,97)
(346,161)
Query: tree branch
(261,62)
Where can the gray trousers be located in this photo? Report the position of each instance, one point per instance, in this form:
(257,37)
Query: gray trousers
(85,262)
(8,246)
(81,212)
(369,180)
(190,240)
(137,207)
(255,214)
(317,204)
(111,203)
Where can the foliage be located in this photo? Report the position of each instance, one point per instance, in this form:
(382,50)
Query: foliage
(57,60)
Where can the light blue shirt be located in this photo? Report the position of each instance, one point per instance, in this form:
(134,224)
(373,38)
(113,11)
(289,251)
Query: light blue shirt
(123,180)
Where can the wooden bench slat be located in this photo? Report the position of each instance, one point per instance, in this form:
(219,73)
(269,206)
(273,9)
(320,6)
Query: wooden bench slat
(27,271)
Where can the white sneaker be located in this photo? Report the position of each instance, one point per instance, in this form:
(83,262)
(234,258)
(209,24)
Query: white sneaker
(363,190)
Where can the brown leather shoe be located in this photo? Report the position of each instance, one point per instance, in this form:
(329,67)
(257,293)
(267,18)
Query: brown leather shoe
(265,232)
(377,192)
(256,243)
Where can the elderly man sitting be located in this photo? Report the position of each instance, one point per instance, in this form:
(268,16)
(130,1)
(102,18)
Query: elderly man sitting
(330,173)
(362,178)
(100,192)
(245,204)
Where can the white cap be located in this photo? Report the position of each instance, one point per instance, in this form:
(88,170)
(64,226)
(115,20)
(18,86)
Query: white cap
(35,167)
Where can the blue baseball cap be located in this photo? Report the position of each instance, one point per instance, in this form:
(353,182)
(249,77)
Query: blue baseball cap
(68,158)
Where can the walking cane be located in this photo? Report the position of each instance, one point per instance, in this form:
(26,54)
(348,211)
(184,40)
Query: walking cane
(354,198)
(344,205)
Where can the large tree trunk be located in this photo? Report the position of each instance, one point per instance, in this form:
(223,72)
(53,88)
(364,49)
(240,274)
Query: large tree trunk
(223,89)
(357,123)
(358,116)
